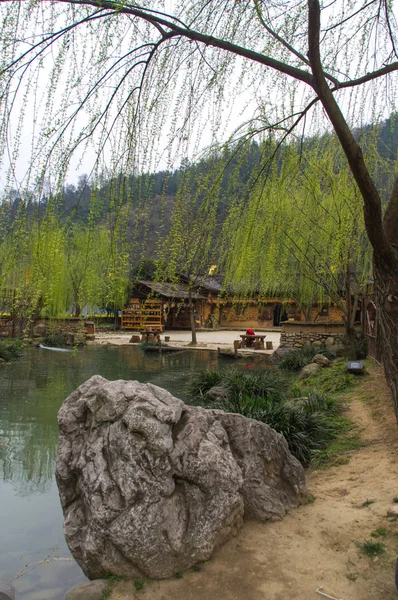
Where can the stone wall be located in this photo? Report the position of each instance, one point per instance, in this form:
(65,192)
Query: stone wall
(295,334)
(72,328)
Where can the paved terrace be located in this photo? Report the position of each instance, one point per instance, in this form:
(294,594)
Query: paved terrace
(209,340)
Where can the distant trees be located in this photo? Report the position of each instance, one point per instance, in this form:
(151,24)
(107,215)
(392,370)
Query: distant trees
(51,268)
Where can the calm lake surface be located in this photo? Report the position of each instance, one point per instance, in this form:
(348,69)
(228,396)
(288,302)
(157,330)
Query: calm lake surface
(32,545)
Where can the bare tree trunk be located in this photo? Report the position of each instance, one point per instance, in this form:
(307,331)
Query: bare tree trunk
(192,317)
(382,232)
(386,284)
(77,310)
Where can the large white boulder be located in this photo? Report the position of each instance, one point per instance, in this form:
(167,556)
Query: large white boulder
(150,486)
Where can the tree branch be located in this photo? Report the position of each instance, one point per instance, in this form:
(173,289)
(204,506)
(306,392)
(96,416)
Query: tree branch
(193,35)
(372,202)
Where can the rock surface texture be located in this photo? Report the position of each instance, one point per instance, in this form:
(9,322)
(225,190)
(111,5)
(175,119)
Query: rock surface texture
(308,370)
(150,486)
(321,360)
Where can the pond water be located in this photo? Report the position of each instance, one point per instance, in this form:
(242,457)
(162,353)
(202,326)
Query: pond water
(33,552)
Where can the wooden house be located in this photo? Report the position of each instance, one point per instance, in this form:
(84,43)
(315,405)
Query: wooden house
(163,305)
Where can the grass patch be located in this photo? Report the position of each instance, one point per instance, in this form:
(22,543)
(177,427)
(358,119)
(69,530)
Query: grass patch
(352,576)
(395,500)
(367,503)
(178,575)
(338,452)
(10,350)
(372,549)
(332,380)
(380,532)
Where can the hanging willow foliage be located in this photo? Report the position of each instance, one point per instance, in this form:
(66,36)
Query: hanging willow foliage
(301,231)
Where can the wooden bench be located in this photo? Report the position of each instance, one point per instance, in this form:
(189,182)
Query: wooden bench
(249,341)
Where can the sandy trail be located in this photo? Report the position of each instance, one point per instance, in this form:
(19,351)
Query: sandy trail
(317,544)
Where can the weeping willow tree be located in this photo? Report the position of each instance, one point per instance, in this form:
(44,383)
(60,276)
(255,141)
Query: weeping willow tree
(47,266)
(302,234)
(190,247)
(33,268)
(111,76)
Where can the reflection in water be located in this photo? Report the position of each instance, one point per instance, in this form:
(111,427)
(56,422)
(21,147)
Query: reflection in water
(31,392)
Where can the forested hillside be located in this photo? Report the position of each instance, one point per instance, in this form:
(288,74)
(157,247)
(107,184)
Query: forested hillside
(251,209)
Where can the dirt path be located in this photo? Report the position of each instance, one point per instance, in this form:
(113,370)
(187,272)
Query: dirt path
(316,545)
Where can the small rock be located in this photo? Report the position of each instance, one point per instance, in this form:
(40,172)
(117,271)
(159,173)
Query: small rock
(281,351)
(317,344)
(329,341)
(309,370)
(218,393)
(92,590)
(321,360)
(393,511)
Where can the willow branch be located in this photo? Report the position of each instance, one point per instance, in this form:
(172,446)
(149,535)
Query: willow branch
(371,198)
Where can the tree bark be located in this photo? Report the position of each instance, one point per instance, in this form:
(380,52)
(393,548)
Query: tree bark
(386,287)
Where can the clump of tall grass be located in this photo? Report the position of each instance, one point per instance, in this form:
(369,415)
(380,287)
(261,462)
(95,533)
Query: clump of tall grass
(308,424)
(239,384)
(9,350)
(297,359)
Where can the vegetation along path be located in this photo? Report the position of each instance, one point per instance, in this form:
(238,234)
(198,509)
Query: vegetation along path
(320,544)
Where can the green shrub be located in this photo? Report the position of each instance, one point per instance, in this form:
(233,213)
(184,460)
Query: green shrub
(54,340)
(9,350)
